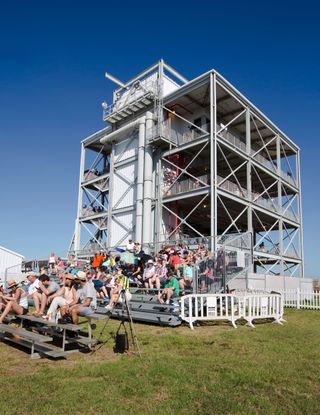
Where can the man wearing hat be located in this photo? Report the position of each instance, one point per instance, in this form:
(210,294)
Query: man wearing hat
(87,297)
(16,301)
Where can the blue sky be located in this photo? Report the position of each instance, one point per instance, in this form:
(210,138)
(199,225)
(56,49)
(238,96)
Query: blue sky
(53,59)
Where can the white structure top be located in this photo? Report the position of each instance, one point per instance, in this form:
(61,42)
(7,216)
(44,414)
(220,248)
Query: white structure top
(10,264)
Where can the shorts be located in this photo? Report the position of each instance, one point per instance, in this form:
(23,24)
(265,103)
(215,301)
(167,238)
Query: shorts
(25,311)
(98,285)
(86,311)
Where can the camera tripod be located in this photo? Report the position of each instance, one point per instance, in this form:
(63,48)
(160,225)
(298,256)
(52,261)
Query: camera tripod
(125,308)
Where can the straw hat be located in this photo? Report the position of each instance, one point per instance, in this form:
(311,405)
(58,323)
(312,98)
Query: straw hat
(81,276)
(12,283)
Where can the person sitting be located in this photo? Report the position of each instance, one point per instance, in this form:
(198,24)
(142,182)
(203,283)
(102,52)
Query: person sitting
(87,298)
(45,289)
(130,246)
(64,298)
(32,291)
(15,301)
(187,278)
(97,279)
(97,260)
(138,272)
(160,275)
(149,273)
(121,286)
(171,289)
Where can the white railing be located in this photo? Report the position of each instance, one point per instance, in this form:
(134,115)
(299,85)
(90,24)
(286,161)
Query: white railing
(261,306)
(235,141)
(208,307)
(186,185)
(133,95)
(231,187)
(294,297)
(254,197)
(297,298)
(230,307)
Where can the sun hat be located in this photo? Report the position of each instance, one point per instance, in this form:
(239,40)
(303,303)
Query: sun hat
(81,276)
(11,284)
(69,276)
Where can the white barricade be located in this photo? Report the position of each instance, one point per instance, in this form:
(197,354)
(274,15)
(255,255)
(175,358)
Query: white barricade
(230,307)
(206,307)
(262,306)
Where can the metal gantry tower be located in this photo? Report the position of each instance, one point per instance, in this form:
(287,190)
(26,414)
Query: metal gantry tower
(183,160)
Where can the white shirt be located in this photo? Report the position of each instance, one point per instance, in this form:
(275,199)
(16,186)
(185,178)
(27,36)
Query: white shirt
(130,246)
(33,287)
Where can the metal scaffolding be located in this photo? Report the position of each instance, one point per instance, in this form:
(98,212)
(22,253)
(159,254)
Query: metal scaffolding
(190,160)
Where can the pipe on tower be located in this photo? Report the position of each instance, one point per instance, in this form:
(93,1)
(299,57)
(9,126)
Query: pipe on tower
(140,178)
(147,194)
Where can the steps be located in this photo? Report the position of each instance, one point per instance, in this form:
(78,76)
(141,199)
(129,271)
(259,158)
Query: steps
(146,308)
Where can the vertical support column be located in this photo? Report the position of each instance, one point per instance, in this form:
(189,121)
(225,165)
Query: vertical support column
(147,193)
(249,182)
(139,208)
(110,204)
(300,214)
(281,247)
(77,234)
(213,162)
(158,198)
(159,101)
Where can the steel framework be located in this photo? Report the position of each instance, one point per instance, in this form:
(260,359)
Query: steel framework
(190,159)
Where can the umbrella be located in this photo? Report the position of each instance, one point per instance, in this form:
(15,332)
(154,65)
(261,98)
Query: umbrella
(128,257)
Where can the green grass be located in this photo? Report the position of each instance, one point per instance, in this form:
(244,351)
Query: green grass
(214,369)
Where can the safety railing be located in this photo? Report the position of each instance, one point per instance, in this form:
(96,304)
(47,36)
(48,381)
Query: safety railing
(297,298)
(231,187)
(185,133)
(134,95)
(206,307)
(92,211)
(185,185)
(261,306)
(90,175)
(241,145)
(230,307)
(267,203)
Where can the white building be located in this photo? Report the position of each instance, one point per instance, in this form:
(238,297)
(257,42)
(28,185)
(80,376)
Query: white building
(10,264)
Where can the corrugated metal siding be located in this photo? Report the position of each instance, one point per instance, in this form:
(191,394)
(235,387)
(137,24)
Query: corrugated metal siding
(168,85)
(118,232)
(123,195)
(126,148)
(9,260)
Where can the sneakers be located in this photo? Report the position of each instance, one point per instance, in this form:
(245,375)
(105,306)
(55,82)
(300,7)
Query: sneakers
(108,307)
(48,317)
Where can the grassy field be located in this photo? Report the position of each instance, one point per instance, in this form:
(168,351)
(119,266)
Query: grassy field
(214,369)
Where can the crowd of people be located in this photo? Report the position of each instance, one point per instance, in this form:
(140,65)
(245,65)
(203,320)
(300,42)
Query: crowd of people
(65,290)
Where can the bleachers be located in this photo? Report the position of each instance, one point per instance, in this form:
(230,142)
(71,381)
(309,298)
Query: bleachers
(146,308)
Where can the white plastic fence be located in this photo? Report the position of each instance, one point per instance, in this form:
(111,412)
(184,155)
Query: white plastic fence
(301,299)
(230,307)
